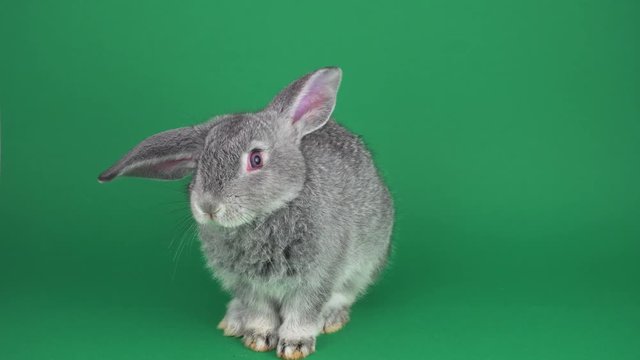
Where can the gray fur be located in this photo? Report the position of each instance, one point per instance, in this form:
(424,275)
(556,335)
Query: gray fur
(295,242)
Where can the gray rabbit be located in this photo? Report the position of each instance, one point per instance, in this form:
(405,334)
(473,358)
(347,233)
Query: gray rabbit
(293,217)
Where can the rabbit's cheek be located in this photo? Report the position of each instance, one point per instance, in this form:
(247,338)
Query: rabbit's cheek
(233,216)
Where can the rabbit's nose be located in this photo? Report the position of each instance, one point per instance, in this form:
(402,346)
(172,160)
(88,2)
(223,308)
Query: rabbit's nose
(210,210)
(205,207)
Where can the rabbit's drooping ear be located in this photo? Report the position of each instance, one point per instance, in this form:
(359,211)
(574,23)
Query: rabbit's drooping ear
(307,103)
(168,155)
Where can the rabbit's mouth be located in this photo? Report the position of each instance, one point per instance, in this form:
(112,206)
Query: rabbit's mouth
(224,215)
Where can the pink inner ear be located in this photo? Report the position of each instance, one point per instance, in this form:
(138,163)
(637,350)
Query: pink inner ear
(313,99)
(169,165)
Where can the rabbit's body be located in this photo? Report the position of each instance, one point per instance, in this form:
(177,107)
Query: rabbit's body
(335,234)
(294,219)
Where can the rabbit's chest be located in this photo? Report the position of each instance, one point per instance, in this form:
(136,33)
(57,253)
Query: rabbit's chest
(270,250)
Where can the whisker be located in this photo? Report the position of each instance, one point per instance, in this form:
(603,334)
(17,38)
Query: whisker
(182,225)
(194,238)
(184,241)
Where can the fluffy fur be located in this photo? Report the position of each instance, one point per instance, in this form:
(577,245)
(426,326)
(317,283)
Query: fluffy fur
(296,241)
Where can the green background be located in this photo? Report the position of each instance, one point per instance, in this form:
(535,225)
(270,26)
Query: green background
(509,133)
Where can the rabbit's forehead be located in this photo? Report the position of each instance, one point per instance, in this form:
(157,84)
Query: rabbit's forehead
(235,133)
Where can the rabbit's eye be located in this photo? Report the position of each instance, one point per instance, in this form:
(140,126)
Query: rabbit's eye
(255,159)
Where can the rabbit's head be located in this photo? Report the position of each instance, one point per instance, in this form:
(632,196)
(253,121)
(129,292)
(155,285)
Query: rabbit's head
(243,165)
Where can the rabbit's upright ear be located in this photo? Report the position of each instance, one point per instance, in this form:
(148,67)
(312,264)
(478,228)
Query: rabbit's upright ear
(168,155)
(307,103)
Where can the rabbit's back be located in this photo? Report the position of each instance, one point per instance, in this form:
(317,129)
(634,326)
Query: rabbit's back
(352,210)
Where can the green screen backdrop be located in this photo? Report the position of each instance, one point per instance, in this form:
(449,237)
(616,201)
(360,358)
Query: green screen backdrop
(508,132)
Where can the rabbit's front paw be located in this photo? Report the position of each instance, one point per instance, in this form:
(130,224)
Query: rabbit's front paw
(232,323)
(296,349)
(335,319)
(231,326)
(260,342)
